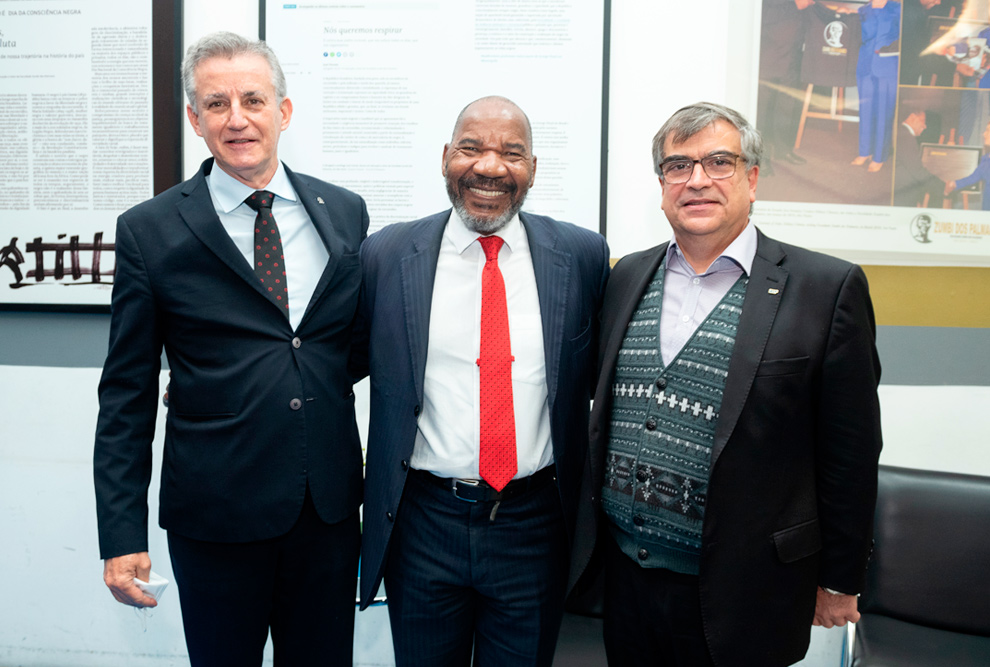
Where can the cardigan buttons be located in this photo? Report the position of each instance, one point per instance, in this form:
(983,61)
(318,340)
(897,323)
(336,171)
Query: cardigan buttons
(661,383)
(651,424)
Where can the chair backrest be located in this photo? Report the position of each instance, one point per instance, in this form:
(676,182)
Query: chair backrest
(931,559)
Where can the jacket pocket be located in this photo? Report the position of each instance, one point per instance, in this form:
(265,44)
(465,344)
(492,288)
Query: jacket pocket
(798,541)
(782,366)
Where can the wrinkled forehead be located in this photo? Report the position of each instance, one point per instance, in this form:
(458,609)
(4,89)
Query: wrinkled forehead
(244,70)
(493,121)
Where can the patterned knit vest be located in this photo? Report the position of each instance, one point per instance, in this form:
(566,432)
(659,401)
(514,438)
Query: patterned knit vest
(662,430)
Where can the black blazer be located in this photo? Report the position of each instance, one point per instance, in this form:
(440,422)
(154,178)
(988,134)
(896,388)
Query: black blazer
(399,264)
(794,462)
(257,410)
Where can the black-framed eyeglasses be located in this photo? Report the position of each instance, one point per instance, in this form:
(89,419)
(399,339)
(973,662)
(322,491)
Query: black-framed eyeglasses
(678,170)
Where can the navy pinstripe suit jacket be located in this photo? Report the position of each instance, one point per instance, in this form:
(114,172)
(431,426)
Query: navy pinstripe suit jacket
(398,267)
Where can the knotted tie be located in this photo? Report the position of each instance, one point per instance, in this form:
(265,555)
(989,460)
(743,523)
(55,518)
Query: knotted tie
(498,422)
(269,262)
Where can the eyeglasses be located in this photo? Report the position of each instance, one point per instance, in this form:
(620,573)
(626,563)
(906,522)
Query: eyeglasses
(717,167)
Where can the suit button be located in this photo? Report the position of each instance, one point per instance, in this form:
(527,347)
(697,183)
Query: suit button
(416,411)
(388,515)
(405,465)
(295,404)
(643,554)
(651,424)
(638,520)
(642,475)
(296,342)
(661,383)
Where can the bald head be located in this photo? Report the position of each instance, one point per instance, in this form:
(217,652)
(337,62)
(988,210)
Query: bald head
(495,104)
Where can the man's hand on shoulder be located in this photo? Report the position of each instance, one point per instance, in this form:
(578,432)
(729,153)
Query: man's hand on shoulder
(832,609)
(119,573)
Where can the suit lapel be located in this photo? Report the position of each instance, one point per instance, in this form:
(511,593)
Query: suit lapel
(316,207)
(625,294)
(418,271)
(763,295)
(616,320)
(199,214)
(552,269)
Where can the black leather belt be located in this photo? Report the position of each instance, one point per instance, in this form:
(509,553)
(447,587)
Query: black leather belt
(476,490)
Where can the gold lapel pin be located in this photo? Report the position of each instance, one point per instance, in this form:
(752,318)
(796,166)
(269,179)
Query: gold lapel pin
(320,200)
(773,290)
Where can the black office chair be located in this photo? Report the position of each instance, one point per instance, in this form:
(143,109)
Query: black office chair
(927,599)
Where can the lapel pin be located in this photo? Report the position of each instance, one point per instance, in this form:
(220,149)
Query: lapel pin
(320,200)
(773,290)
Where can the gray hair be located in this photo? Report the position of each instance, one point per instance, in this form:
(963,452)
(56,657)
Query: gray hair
(690,120)
(228,45)
(503,100)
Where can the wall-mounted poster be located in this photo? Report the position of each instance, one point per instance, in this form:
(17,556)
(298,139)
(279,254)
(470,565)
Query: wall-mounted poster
(81,128)
(377,85)
(876,116)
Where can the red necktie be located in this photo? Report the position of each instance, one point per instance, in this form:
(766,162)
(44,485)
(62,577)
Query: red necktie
(269,262)
(498,421)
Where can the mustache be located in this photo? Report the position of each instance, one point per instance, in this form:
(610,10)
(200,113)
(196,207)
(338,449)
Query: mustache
(473,181)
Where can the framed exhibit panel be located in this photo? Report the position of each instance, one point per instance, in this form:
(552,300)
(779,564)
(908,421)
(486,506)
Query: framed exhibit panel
(377,86)
(89,112)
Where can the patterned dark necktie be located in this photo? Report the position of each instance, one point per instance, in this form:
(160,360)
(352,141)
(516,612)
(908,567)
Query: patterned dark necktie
(498,422)
(269,262)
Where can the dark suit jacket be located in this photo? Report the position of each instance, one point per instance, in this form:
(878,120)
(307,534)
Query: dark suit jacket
(239,448)
(398,265)
(911,179)
(794,462)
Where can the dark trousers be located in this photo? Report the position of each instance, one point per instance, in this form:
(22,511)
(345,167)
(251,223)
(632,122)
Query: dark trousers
(457,580)
(300,585)
(652,616)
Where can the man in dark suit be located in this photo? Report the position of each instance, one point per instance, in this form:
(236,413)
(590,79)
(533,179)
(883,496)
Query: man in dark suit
(735,431)
(911,180)
(478,432)
(261,479)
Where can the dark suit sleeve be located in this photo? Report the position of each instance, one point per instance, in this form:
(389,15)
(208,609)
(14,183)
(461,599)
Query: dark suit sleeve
(596,322)
(128,405)
(848,438)
(357,364)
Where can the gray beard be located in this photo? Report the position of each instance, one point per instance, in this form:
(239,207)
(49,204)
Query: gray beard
(482,226)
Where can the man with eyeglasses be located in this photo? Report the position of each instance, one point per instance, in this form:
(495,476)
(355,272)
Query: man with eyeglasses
(734,438)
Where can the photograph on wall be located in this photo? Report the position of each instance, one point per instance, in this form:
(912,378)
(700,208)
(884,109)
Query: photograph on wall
(377,86)
(874,114)
(79,134)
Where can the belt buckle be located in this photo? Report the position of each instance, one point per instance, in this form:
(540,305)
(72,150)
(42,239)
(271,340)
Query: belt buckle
(466,482)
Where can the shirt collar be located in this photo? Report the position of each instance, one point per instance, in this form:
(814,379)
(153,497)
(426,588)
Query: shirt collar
(741,251)
(457,231)
(231,193)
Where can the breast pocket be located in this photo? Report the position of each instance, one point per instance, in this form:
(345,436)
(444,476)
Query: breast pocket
(580,342)
(791,366)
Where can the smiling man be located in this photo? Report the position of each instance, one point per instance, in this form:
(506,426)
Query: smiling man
(247,276)
(732,466)
(479,331)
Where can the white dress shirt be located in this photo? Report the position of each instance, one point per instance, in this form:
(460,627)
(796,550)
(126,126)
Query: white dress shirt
(305,255)
(689,297)
(448,436)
